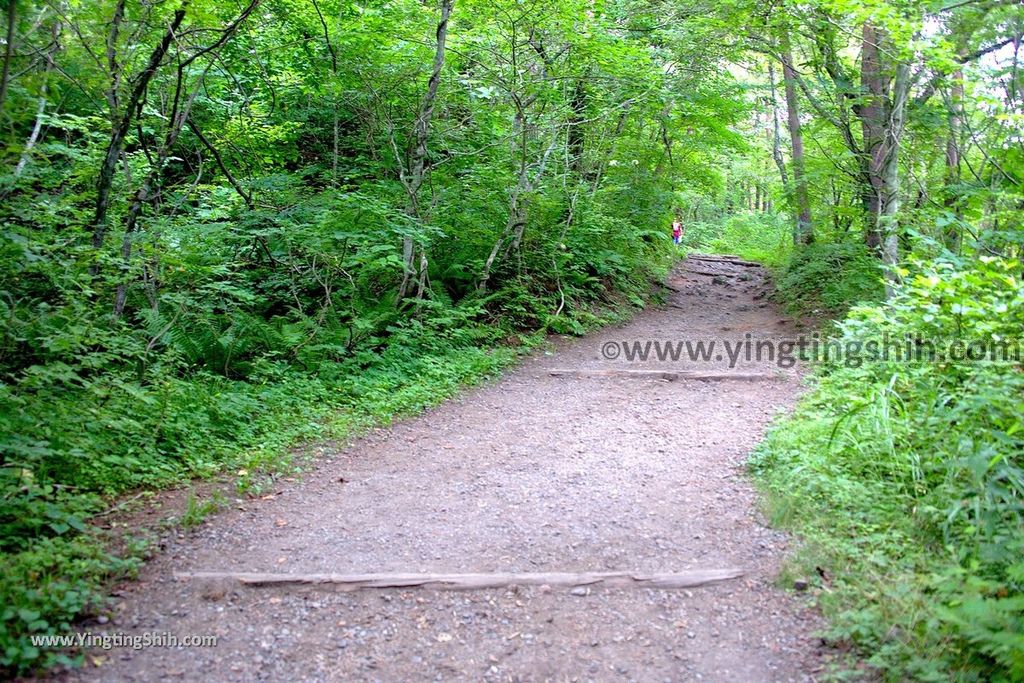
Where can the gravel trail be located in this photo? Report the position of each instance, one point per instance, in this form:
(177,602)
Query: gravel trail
(534,473)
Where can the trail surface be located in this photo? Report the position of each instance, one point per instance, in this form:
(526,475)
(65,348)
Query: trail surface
(587,471)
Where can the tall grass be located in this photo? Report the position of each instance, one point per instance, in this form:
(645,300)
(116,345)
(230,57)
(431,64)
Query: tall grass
(905,482)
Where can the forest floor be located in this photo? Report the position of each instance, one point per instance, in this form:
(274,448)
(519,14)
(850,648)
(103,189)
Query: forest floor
(537,472)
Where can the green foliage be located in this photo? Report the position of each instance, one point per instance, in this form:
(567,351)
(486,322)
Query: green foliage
(827,278)
(905,480)
(45,588)
(196,511)
(763,237)
(821,279)
(170,429)
(242,295)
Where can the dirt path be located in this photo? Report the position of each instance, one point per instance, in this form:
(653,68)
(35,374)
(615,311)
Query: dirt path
(534,473)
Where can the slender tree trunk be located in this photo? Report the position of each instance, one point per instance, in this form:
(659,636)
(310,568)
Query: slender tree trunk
(180,110)
(149,190)
(113,93)
(5,76)
(575,137)
(874,116)
(883,116)
(518,213)
(890,196)
(416,264)
(33,138)
(219,160)
(141,198)
(952,179)
(777,156)
(517,236)
(37,128)
(334,99)
(120,130)
(804,232)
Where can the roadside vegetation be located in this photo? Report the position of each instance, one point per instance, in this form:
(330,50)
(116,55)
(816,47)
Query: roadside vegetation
(902,478)
(903,481)
(228,228)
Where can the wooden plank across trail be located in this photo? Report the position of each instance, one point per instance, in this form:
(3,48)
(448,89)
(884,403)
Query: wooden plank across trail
(736,261)
(672,376)
(710,273)
(352,582)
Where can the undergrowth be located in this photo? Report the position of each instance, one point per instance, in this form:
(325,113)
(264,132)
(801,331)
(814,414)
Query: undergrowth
(904,481)
(76,440)
(55,563)
(762,237)
(826,278)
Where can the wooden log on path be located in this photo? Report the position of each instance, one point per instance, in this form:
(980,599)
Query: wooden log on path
(353,582)
(707,272)
(670,375)
(724,259)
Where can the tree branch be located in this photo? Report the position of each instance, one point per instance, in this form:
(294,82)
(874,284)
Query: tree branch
(933,83)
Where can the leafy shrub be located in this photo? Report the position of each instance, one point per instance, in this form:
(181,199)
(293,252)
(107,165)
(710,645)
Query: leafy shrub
(44,588)
(253,303)
(763,237)
(827,278)
(170,429)
(906,480)
(221,378)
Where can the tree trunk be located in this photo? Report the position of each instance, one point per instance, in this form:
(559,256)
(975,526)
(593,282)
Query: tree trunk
(519,203)
(334,98)
(120,130)
(777,156)
(33,138)
(181,108)
(5,76)
(150,189)
(952,179)
(574,146)
(888,225)
(874,119)
(883,116)
(804,232)
(416,264)
(516,218)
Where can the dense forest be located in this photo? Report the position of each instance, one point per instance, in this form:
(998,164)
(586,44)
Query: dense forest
(228,227)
